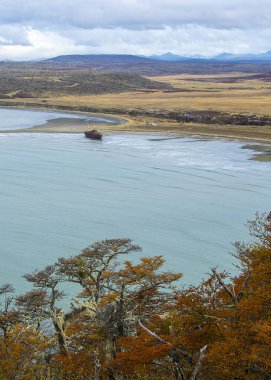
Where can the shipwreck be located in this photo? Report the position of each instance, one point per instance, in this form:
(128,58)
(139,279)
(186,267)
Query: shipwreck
(94,134)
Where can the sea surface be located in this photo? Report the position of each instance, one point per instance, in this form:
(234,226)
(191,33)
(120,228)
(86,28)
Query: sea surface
(186,198)
(21,119)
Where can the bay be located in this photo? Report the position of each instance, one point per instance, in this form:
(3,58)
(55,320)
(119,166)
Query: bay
(185,198)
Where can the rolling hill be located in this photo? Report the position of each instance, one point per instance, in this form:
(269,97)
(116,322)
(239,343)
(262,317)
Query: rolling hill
(100,59)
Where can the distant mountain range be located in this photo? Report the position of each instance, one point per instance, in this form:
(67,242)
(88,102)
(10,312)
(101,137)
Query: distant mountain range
(221,57)
(244,57)
(169,57)
(165,64)
(120,59)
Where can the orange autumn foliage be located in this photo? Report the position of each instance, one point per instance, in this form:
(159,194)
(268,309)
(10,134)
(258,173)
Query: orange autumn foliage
(22,354)
(130,323)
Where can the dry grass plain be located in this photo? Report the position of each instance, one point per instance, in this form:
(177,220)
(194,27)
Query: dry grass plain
(232,93)
(192,92)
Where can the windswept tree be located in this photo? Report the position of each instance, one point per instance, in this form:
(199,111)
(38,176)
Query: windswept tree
(130,322)
(22,348)
(220,329)
(116,294)
(9,316)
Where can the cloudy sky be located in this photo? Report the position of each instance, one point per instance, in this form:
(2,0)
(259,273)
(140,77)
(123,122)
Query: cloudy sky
(32,29)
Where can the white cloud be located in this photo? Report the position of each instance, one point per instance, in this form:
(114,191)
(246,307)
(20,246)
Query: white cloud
(139,14)
(41,44)
(44,28)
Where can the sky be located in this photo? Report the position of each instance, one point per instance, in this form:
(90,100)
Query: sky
(33,29)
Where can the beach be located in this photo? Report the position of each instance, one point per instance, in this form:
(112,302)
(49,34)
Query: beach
(126,123)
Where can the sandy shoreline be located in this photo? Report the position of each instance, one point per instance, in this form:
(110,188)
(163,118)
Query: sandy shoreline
(125,123)
(119,124)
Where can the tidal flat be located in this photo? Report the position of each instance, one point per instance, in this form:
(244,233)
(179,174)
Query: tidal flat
(20,120)
(262,152)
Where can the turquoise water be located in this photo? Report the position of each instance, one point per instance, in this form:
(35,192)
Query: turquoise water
(21,119)
(184,198)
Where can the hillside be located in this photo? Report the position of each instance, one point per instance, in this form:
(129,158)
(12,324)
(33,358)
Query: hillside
(28,81)
(134,65)
(99,59)
(152,67)
(156,65)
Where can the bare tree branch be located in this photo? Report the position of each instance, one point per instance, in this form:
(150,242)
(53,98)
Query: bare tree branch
(177,367)
(241,291)
(202,355)
(225,287)
(153,334)
(235,298)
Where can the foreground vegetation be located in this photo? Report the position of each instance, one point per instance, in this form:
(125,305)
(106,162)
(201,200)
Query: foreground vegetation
(129,321)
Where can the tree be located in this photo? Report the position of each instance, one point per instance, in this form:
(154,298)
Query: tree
(8,315)
(116,295)
(130,322)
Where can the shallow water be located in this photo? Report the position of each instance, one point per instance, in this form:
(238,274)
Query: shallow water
(183,198)
(21,119)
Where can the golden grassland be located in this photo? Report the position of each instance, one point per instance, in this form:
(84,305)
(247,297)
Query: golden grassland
(206,92)
(232,93)
(246,95)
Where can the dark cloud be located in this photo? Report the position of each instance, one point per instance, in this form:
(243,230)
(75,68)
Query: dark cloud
(138,14)
(134,26)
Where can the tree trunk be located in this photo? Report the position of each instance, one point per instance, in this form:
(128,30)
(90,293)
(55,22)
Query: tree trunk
(60,327)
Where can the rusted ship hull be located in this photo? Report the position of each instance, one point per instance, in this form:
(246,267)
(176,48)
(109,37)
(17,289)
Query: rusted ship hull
(94,135)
